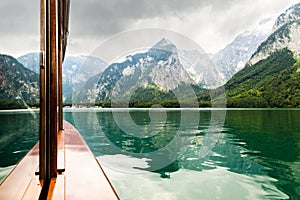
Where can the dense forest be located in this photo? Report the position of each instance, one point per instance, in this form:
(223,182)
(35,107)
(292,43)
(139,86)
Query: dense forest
(151,95)
(273,82)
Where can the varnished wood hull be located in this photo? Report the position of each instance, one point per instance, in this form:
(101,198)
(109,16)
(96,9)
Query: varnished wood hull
(81,177)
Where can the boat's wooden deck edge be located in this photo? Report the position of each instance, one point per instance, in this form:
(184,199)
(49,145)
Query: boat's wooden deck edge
(83,177)
(22,179)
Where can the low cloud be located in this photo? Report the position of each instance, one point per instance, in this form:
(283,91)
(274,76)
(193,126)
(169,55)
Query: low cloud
(211,23)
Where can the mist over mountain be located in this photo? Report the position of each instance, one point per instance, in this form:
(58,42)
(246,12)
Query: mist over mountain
(235,55)
(201,68)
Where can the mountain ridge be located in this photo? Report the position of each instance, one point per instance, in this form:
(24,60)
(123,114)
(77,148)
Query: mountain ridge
(158,70)
(271,77)
(286,33)
(236,54)
(76,71)
(161,74)
(19,86)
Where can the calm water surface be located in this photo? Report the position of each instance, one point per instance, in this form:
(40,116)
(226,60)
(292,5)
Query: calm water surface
(18,134)
(255,154)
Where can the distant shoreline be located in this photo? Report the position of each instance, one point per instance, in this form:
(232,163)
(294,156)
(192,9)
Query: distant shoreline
(20,110)
(36,110)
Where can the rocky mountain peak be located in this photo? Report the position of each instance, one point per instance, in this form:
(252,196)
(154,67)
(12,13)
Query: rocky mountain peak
(291,14)
(76,70)
(159,66)
(19,86)
(235,55)
(286,34)
(164,45)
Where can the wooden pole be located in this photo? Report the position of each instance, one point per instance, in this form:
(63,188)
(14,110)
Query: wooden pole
(60,61)
(53,89)
(48,95)
(42,144)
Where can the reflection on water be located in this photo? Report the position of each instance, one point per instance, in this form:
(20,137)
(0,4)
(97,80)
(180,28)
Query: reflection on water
(4,171)
(218,183)
(257,155)
(18,134)
(271,139)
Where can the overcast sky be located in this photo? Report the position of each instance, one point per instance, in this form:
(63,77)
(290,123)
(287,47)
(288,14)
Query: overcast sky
(210,23)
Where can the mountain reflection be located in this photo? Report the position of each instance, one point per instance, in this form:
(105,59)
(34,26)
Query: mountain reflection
(256,143)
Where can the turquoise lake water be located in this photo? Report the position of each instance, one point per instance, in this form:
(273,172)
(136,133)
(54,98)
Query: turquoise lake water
(179,154)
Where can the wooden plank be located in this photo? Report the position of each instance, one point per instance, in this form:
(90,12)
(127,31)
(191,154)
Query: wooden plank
(59,190)
(33,190)
(22,177)
(61,163)
(84,178)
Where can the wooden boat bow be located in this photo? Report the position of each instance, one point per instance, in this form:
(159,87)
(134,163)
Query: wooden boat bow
(61,165)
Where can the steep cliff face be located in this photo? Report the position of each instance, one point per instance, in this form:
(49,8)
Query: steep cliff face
(156,76)
(235,55)
(291,14)
(77,70)
(271,78)
(286,34)
(160,66)
(212,71)
(19,86)
(201,68)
